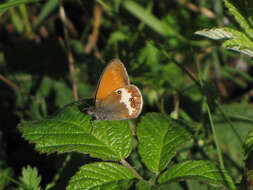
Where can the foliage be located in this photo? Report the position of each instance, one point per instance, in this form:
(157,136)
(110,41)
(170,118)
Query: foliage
(234,39)
(29,179)
(195,130)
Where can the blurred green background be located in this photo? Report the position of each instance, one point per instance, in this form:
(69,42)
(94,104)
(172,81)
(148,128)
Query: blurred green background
(156,42)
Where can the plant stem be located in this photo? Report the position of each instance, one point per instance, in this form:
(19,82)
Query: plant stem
(215,137)
(69,53)
(211,120)
(16,3)
(28,28)
(10,83)
(57,176)
(127,165)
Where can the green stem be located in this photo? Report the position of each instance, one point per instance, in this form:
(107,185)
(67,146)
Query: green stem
(180,66)
(23,10)
(16,3)
(211,121)
(215,137)
(107,7)
(127,165)
(57,176)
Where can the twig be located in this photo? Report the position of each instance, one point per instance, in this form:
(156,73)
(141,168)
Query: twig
(195,8)
(92,40)
(10,83)
(57,176)
(125,163)
(69,53)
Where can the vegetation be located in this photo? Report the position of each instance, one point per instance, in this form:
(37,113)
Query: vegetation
(191,60)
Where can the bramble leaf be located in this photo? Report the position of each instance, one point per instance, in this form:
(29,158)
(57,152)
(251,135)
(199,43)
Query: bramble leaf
(215,33)
(159,137)
(239,17)
(30,179)
(201,170)
(72,130)
(234,39)
(101,175)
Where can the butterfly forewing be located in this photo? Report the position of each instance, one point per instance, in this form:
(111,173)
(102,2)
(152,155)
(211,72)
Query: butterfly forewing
(115,98)
(113,77)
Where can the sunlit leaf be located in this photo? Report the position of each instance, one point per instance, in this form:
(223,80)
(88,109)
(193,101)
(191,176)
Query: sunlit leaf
(30,178)
(72,130)
(234,39)
(215,33)
(101,175)
(159,138)
(205,171)
(240,18)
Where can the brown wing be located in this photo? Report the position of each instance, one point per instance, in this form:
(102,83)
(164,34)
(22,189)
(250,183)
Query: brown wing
(113,77)
(117,106)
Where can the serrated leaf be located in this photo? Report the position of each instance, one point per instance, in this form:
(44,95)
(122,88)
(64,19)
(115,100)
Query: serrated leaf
(233,9)
(201,170)
(72,130)
(215,33)
(101,175)
(30,178)
(232,45)
(159,138)
(240,42)
(248,144)
(236,40)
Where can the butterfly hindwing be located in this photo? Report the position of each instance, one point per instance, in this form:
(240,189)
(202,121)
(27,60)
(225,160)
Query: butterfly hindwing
(123,103)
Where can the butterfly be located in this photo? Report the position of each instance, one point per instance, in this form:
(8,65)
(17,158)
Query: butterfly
(115,97)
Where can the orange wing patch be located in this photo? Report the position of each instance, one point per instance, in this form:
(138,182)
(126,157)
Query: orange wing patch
(113,77)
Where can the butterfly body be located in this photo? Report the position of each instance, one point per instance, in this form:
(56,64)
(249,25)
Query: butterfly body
(116,98)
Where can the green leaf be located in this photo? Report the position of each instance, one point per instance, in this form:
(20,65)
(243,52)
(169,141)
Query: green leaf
(201,170)
(248,144)
(235,40)
(143,185)
(239,42)
(72,130)
(5,177)
(240,117)
(47,9)
(234,10)
(30,179)
(234,45)
(101,175)
(16,20)
(145,16)
(15,3)
(2,11)
(215,33)
(159,138)
(236,71)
